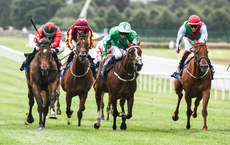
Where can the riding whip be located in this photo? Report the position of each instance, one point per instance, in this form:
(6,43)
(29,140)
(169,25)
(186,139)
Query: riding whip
(35,26)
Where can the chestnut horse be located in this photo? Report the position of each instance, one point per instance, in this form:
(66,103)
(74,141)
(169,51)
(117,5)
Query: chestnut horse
(121,84)
(78,78)
(196,82)
(42,81)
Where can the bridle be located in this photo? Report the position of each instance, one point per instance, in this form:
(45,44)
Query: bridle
(80,57)
(134,65)
(197,61)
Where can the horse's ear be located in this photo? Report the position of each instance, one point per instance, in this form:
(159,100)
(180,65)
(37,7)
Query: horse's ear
(195,41)
(128,43)
(138,43)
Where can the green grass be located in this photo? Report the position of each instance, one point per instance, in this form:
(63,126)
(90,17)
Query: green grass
(151,122)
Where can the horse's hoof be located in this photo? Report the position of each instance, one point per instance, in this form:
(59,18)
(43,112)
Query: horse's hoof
(188,126)
(194,115)
(114,127)
(96,125)
(123,126)
(205,129)
(53,116)
(175,118)
(102,118)
(69,113)
(30,119)
(58,111)
(41,127)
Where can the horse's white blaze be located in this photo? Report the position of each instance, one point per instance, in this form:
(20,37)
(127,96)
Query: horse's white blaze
(45,50)
(138,58)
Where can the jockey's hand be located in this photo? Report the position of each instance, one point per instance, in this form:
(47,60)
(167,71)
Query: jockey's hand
(178,50)
(109,51)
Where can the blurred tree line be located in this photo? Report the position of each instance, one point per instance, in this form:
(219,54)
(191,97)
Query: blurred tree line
(161,14)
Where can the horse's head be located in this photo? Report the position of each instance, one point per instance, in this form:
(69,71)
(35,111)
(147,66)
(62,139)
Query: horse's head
(82,48)
(134,52)
(44,56)
(201,55)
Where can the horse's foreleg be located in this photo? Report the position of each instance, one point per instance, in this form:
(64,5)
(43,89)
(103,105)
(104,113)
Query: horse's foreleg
(45,112)
(189,111)
(58,103)
(108,109)
(178,89)
(206,96)
(102,107)
(81,107)
(37,94)
(52,94)
(115,112)
(68,104)
(98,95)
(122,104)
(30,118)
(197,102)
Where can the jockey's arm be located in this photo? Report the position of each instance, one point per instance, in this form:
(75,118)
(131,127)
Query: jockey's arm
(39,34)
(204,33)
(106,43)
(69,37)
(180,35)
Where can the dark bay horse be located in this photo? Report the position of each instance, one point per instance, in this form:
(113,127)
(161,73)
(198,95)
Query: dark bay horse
(78,79)
(196,82)
(121,84)
(42,81)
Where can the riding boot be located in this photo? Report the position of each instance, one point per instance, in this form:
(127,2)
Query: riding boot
(29,58)
(57,60)
(68,60)
(106,66)
(181,63)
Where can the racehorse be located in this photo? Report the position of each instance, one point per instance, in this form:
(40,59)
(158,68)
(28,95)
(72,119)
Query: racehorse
(78,78)
(121,84)
(196,82)
(42,82)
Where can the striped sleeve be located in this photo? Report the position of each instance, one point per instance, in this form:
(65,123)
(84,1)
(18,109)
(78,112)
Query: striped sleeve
(90,38)
(69,37)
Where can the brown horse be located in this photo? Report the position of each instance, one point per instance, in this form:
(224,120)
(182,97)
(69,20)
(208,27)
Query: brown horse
(121,84)
(42,81)
(196,82)
(78,79)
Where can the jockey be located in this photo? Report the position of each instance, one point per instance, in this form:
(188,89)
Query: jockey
(117,38)
(192,29)
(53,33)
(79,29)
(99,49)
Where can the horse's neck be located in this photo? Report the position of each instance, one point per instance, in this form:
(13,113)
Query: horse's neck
(79,66)
(126,66)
